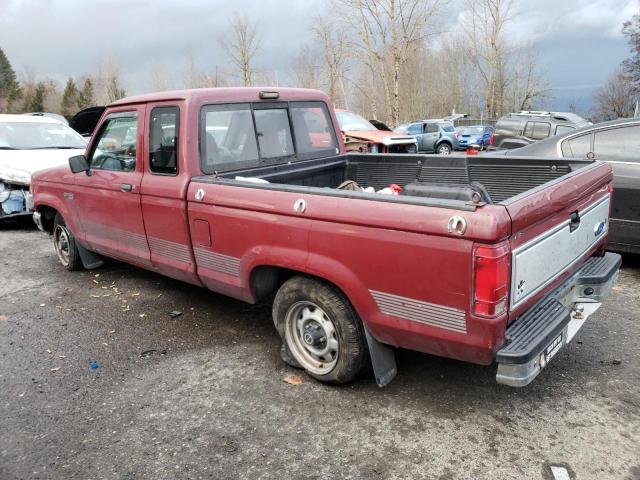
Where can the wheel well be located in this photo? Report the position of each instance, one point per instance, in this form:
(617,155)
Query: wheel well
(47,218)
(266,280)
(444,141)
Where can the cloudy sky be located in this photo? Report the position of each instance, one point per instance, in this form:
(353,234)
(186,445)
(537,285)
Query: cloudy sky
(579,41)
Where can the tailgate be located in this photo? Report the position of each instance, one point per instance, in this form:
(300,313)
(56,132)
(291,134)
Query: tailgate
(555,227)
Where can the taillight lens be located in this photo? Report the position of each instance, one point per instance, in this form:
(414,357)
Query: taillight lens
(491,280)
(491,140)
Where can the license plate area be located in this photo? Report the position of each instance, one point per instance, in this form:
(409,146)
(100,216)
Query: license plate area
(551,350)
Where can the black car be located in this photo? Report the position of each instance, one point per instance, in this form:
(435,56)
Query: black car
(618,143)
(516,130)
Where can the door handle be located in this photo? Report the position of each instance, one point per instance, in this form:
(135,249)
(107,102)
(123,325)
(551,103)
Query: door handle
(126,187)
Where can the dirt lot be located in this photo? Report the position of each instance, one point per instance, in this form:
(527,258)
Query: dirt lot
(202,395)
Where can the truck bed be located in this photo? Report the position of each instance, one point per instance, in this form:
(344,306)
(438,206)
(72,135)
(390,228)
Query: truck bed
(503,178)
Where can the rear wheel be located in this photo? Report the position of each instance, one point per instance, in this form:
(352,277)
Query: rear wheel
(443,149)
(65,245)
(320,330)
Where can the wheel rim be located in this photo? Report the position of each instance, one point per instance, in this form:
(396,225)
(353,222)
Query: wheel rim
(61,244)
(312,337)
(443,150)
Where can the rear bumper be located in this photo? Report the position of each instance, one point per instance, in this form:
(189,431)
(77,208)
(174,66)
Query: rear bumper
(533,339)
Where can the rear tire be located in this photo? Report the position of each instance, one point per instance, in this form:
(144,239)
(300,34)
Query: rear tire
(443,149)
(320,329)
(65,246)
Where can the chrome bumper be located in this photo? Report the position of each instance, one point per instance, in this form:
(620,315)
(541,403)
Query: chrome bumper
(533,339)
(37,219)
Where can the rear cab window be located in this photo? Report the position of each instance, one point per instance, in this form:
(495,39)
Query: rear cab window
(242,135)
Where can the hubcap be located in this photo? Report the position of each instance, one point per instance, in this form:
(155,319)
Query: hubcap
(443,151)
(311,337)
(61,244)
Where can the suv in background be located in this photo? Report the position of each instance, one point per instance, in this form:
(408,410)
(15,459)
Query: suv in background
(516,130)
(436,135)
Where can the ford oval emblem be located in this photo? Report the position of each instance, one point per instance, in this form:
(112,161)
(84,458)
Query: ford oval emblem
(599,228)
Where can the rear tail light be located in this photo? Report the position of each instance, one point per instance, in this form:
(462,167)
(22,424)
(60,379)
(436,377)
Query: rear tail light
(491,140)
(491,279)
(457,134)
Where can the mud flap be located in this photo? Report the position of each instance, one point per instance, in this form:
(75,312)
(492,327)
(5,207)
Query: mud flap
(89,259)
(383,359)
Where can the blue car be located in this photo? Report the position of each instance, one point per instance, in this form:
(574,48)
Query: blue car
(475,135)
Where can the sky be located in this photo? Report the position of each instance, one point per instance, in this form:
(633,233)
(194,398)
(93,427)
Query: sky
(579,41)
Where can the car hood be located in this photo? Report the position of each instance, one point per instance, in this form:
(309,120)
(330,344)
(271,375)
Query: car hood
(380,136)
(17,166)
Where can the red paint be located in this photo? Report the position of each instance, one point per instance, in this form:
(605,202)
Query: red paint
(359,245)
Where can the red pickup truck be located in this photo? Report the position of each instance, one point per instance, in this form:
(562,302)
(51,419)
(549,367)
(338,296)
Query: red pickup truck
(240,190)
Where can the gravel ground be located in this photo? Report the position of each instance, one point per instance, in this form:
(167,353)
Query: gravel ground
(202,395)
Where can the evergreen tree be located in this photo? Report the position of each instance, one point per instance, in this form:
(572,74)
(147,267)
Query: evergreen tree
(9,86)
(35,101)
(114,89)
(69,99)
(85,97)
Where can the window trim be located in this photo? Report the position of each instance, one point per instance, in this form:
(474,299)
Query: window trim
(164,174)
(103,126)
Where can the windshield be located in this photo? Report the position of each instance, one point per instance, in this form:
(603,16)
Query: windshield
(350,122)
(38,135)
(473,131)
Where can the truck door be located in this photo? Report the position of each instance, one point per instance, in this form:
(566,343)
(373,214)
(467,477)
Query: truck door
(163,193)
(108,200)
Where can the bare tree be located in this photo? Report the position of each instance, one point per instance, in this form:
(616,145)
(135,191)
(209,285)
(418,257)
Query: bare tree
(615,98)
(525,87)
(335,50)
(389,32)
(305,68)
(241,45)
(485,22)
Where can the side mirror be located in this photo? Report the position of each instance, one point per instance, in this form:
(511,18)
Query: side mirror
(79,164)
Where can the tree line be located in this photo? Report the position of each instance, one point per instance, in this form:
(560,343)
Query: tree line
(386,59)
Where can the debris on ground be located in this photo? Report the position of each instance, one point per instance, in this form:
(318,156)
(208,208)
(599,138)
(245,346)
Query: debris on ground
(53,370)
(175,313)
(292,379)
(3,317)
(94,365)
(615,361)
(148,353)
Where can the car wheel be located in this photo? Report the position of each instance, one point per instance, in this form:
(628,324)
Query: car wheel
(320,330)
(64,244)
(443,149)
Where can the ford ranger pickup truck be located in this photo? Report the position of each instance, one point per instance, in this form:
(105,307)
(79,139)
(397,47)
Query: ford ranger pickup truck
(242,191)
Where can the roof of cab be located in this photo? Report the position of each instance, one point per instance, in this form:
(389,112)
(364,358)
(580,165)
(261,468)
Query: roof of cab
(10,117)
(225,94)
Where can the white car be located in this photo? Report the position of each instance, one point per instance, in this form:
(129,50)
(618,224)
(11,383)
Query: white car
(28,144)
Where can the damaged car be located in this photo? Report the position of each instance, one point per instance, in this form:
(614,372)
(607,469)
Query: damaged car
(28,144)
(361,136)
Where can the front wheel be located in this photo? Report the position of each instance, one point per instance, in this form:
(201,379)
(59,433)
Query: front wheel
(65,245)
(443,149)
(320,330)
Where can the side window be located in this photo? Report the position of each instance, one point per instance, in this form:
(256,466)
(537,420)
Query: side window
(432,128)
(227,137)
(116,146)
(273,132)
(415,129)
(577,147)
(314,133)
(163,140)
(560,129)
(537,130)
(621,144)
(508,126)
